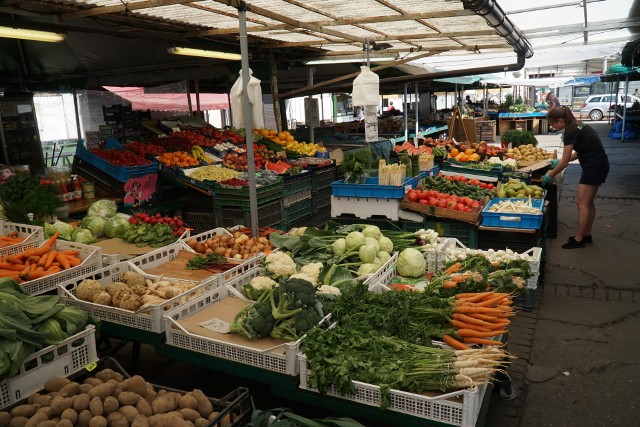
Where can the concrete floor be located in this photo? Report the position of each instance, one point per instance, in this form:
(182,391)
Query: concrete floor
(578,350)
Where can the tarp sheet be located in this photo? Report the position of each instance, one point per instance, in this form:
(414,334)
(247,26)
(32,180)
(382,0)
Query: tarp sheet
(169,101)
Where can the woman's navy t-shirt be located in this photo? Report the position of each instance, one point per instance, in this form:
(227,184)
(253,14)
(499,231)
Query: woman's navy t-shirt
(586,143)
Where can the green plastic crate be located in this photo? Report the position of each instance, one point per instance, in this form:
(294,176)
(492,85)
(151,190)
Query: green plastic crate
(382,223)
(269,215)
(297,185)
(466,233)
(242,193)
(244,202)
(297,210)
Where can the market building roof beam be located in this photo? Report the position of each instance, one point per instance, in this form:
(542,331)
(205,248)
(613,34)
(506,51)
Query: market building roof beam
(124,7)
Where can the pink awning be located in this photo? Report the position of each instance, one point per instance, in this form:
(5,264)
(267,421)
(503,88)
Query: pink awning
(169,101)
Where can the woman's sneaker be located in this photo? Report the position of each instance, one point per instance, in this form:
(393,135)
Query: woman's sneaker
(587,239)
(572,243)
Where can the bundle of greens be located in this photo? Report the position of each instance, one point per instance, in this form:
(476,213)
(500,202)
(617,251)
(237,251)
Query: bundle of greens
(154,235)
(356,164)
(23,194)
(30,323)
(338,356)
(203,262)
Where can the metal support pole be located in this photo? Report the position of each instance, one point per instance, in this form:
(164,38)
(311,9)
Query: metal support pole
(624,105)
(312,135)
(197,97)
(229,109)
(77,111)
(248,120)
(189,98)
(586,21)
(367,49)
(416,107)
(274,90)
(404,106)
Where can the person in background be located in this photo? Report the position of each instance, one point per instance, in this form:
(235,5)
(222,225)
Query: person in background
(391,107)
(581,143)
(635,92)
(552,100)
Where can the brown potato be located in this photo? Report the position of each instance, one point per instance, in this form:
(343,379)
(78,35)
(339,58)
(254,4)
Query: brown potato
(48,423)
(140,421)
(59,404)
(93,381)
(83,418)
(201,422)
(23,411)
(116,419)
(106,374)
(137,385)
(4,418)
(130,412)
(84,388)
(98,421)
(188,401)
(102,391)
(205,407)
(172,419)
(65,423)
(164,403)
(189,414)
(70,389)
(46,410)
(81,402)
(56,384)
(95,406)
(144,408)
(69,414)
(110,405)
(18,422)
(36,419)
(37,398)
(128,398)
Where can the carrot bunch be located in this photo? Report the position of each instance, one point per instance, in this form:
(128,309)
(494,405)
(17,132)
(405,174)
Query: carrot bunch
(10,239)
(478,317)
(34,263)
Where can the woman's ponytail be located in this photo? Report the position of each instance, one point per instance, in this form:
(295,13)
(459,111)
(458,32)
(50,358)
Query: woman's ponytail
(564,113)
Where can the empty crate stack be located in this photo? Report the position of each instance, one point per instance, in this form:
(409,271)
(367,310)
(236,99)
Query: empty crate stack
(231,205)
(321,179)
(297,201)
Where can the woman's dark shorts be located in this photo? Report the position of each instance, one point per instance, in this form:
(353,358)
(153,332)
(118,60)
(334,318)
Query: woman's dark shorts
(595,173)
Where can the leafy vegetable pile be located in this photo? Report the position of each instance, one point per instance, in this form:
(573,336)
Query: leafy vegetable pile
(204,262)
(30,323)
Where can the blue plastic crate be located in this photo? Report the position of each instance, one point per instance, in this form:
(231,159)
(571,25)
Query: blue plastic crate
(512,220)
(371,188)
(121,173)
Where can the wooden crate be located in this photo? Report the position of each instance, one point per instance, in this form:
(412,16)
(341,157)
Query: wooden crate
(486,130)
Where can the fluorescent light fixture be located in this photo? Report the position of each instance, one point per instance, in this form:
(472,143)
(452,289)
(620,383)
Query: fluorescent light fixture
(187,51)
(349,59)
(25,34)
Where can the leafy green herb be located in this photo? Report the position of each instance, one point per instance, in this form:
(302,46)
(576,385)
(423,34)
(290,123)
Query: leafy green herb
(16,187)
(203,262)
(154,235)
(355,165)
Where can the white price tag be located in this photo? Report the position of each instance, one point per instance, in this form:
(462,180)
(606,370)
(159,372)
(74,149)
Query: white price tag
(216,325)
(407,188)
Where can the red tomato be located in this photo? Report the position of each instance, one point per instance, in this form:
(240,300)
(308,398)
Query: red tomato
(441,203)
(423,202)
(413,196)
(460,207)
(432,201)
(489,186)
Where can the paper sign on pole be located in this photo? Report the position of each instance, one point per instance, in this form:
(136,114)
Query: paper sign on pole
(371,123)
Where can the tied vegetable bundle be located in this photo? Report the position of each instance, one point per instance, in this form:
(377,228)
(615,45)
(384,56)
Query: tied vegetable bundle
(338,356)
(30,323)
(35,263)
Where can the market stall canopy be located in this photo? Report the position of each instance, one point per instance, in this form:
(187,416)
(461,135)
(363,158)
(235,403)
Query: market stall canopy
(169,101)
(544,82)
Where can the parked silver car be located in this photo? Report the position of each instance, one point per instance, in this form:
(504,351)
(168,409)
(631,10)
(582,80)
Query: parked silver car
(596,106)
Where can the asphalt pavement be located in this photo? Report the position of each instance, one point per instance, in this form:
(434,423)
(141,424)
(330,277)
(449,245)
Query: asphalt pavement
(578,348)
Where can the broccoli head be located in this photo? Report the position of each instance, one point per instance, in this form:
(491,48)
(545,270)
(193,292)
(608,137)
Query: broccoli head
(293,328)
(291,297)
(255,321)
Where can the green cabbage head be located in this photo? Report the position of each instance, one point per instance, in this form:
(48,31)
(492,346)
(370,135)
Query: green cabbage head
(411,263)
(116,226)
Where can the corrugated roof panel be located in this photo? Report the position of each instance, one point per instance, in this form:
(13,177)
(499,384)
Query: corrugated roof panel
(460,23)
(355,10)
(425,6)
(401,28)
(355,31)
(189,15)
(290,36)
(289,10)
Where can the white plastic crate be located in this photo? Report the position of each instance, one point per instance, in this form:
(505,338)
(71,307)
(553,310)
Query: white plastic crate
(33,236)
(388,268)
(177,336)
(201,237)
(296,197)
(170,252)
(91,257)
(59,360)
(147,320)
(110,259)
(365,207)
(457,408)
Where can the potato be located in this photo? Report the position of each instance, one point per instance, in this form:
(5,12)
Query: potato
(98,421)
(201,422)
(172,419)
(137,385)
(128,398)
(151,393)
(81,402)
(204,405)
(116,419)
(188,401)
(48,423)
(164,403)
(83,418)
(64,423)
(93,381)
(189,414)
(115,382)
(37,398)
(36,419)
(4,418)
(102,391)
(59,404)
(130,412)
(23,411)
(110,405)
(95,406)
(84,388)
(189,423)
(69,414)
(56,384)
(140,421)
(47,410)
(144,408)
(18,422)
(213,416)
(70,389)
(106,374)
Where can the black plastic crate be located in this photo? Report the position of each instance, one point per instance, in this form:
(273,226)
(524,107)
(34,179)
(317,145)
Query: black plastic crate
(321,199)
(234,409)
(269,215)
(305,221)
(381,223)
(551,209)
(526,300)
(517,241)
(200,220)
(466,233)
(322,178)
(320,217)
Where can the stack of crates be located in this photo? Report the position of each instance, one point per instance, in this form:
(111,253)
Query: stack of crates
(466,233)
(296,201)
(231,206)
(321,179)
(551,210)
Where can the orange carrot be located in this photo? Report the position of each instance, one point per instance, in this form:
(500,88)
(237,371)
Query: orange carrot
(479,334)
(33,259)
(465,295)
(491,302)
(453,268)
(63,260)
(26,269)
(458,324)
(51,256)
(70,253)
(32,275)
(53,269)
(484,310)
(454,343)
(11,275)
(74,261)
(11,267)
(483,341)
(52,239)
(491,319)
(43,260)
(13,260)
(469,319)
(449,284)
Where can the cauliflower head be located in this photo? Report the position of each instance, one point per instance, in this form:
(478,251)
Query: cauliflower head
(312,270)
(257,286)
(328,290)
(304,276)
(279,264)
